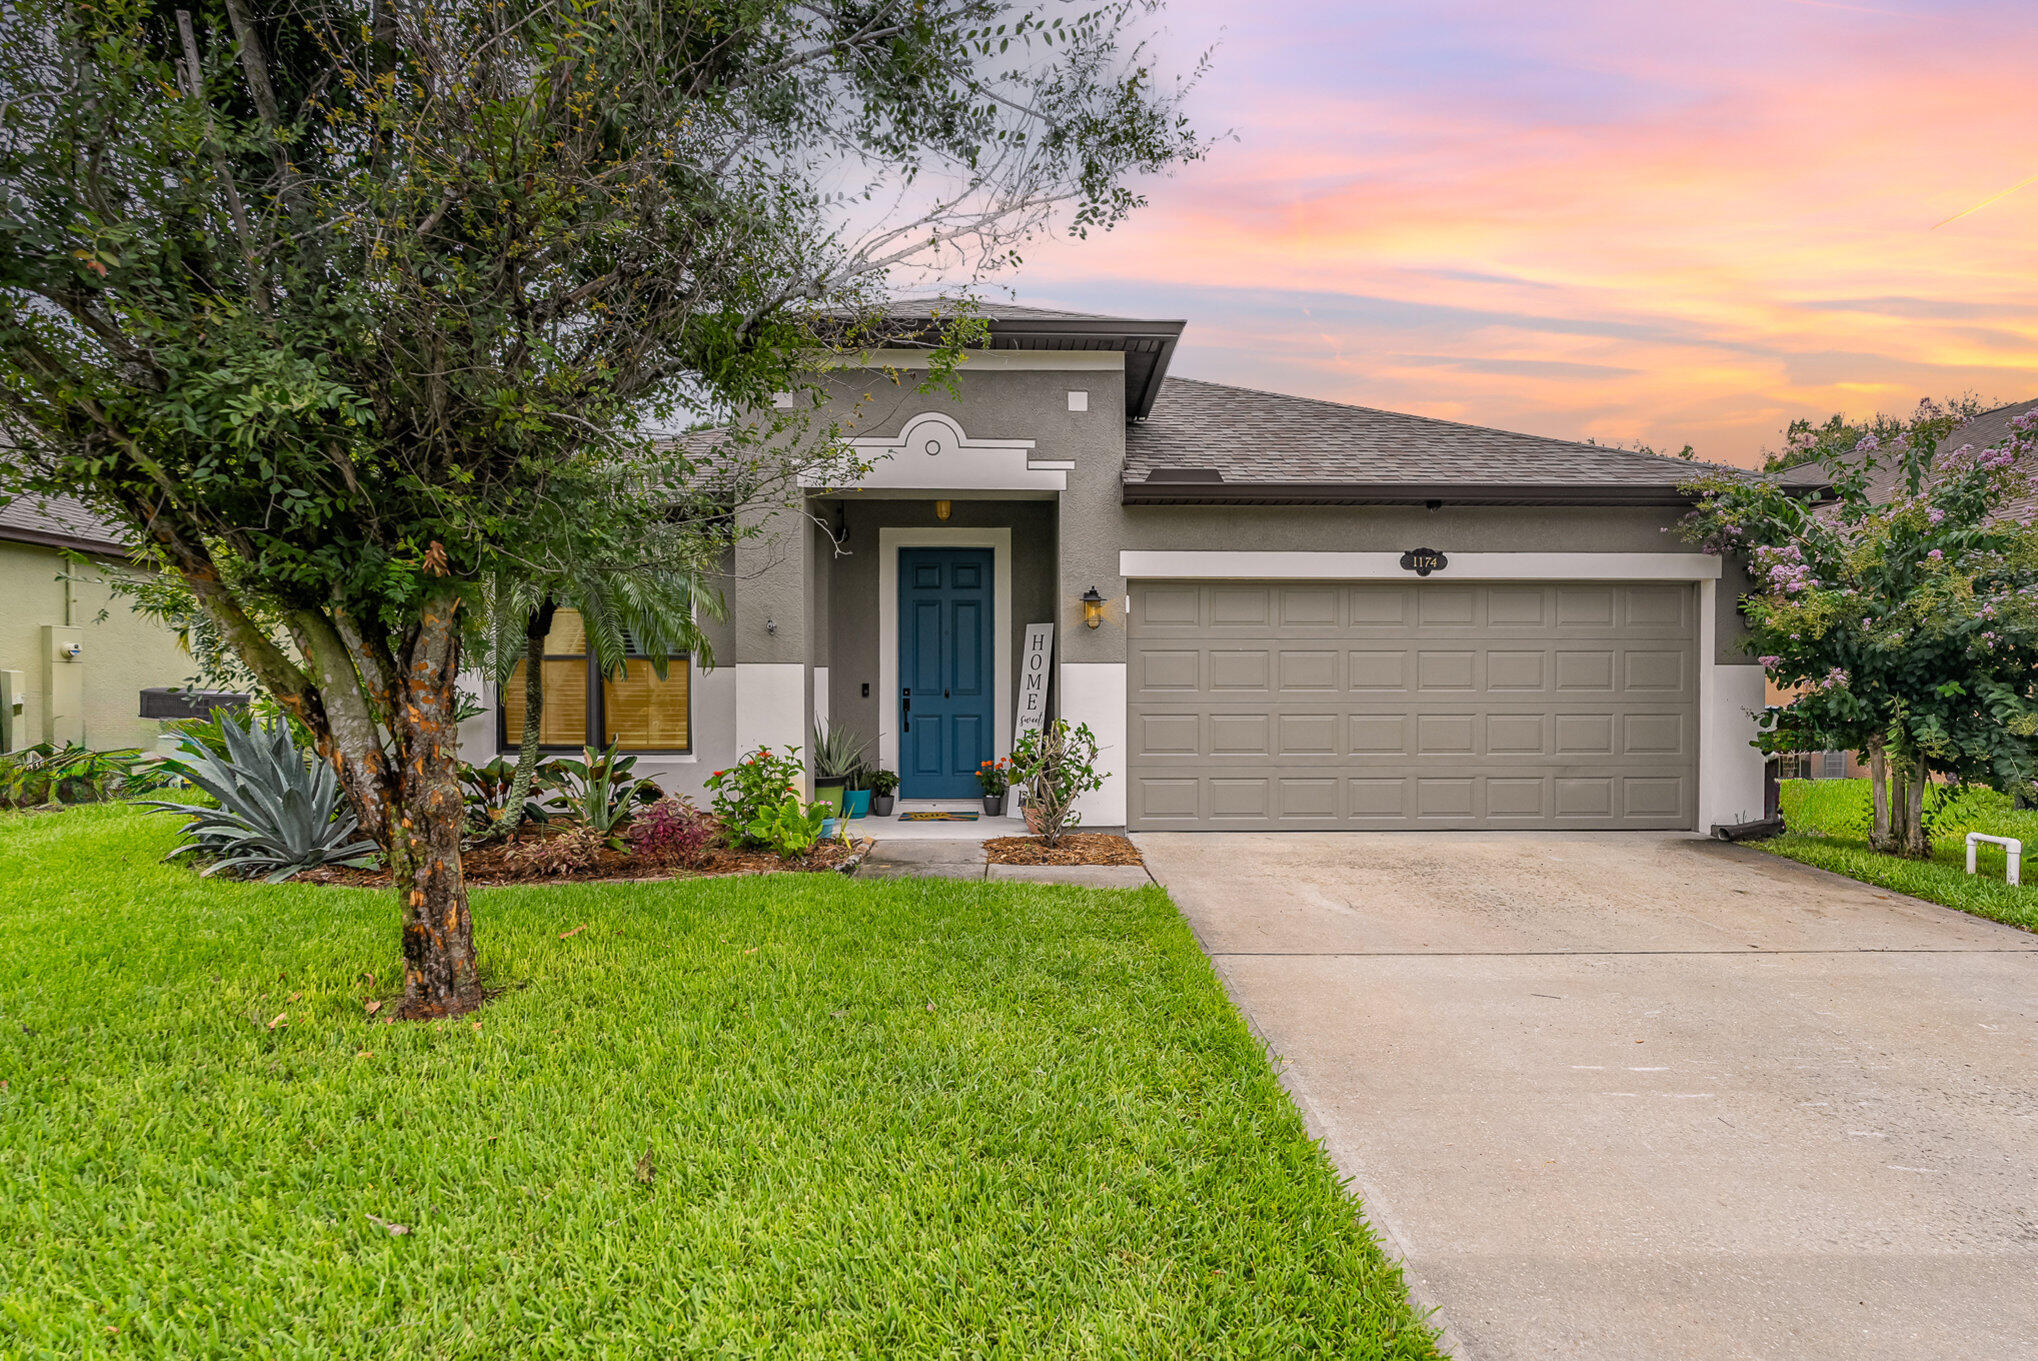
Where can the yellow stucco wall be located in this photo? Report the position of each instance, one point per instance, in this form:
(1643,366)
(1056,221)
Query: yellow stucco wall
(119,656)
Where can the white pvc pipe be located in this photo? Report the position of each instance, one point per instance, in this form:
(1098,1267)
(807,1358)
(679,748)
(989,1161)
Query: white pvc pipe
(2008,843)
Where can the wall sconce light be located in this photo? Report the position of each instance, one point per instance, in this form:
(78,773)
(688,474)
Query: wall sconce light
(941,509)
(1093,608)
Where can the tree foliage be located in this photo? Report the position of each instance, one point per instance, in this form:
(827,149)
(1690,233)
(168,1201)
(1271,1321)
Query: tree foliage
(1902,611)
(333,304)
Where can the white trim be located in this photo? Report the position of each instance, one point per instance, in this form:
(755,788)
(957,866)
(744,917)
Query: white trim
(890,539)
(1213,564)
(931,453)
(1094,693)
(1004,361)
(821,698)
(1729,769)
(771,705)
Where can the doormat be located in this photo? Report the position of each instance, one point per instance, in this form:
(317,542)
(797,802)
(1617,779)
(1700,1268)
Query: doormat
(937,817)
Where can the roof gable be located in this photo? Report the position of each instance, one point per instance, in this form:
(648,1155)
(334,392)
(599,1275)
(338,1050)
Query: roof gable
(1270,446)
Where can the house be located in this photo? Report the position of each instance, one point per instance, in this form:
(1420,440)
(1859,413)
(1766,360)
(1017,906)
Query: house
(73,656)
(1273,612)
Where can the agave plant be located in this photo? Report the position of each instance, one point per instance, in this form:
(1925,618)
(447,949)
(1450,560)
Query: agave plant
(279,811)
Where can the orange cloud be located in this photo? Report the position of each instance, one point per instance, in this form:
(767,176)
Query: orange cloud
(1593,223)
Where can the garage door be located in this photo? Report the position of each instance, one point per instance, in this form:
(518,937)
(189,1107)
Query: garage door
(1305,705)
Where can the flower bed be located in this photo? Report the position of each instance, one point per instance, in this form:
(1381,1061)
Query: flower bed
(535,856)
(1076,848)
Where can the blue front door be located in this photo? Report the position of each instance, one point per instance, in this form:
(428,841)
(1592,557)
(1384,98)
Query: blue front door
(945,664)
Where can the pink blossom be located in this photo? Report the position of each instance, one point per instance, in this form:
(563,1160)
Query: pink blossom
(1935,555)
(1770,663)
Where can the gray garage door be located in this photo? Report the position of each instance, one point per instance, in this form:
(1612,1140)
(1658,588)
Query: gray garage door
(1307,705)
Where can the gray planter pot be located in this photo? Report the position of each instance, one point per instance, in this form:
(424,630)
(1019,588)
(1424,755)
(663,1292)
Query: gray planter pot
(881,805)
(994,805)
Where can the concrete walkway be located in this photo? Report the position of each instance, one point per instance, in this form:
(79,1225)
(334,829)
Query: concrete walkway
(956,858)
(1639,1096)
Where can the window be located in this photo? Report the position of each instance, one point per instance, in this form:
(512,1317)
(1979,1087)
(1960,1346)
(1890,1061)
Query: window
(633,708)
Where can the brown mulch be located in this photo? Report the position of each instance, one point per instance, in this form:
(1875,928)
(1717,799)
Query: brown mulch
(488,866)
(1077,848)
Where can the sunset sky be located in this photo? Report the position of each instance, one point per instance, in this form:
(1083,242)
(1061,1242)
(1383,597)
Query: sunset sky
(1665,222)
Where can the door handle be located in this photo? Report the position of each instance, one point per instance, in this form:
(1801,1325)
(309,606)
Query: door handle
(906,708)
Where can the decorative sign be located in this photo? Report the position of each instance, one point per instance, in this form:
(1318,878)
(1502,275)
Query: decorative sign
(1423,561)
(1035,665)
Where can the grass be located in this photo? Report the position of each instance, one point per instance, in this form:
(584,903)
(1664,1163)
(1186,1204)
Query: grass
(898,1119)
(1829,822)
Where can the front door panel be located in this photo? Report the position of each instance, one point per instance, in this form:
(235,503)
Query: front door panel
(945,665)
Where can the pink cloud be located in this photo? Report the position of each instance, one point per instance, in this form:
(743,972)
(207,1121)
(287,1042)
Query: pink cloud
(1586,220)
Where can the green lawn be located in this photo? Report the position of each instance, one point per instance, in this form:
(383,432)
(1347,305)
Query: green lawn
(902,1119)
(1828,823)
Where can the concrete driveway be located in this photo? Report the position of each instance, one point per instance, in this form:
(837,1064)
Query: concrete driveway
(1631,1095)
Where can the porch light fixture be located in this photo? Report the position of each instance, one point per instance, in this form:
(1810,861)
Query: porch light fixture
(941,509)
(1093,608)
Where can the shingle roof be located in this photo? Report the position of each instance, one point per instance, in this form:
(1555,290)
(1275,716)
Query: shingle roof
(1985,431)
(1254,440)
(990,309)
(58,521)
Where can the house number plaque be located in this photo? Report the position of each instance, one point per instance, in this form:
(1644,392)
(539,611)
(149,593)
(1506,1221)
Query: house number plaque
(1423,561)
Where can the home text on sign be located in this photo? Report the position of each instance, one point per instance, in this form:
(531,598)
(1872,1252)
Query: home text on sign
(1035,665)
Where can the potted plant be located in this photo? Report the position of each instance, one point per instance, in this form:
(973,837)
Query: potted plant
(883,785)
(994,778)
(838,755)
(856,795)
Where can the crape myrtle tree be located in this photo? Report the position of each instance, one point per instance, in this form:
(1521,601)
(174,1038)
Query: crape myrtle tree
(1902,611)
(334,304)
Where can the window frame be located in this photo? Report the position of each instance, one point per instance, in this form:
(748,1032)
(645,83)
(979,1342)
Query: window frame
(597,708)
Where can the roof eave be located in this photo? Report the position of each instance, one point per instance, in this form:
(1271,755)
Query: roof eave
(42,538)
(1403,494)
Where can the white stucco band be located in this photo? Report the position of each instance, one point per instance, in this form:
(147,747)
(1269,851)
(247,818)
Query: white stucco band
(1094,693)
(1199,564)
(1730,768)
(771,705)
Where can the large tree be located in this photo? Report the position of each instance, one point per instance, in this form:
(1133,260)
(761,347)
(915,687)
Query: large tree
(333,303)
(1902,612)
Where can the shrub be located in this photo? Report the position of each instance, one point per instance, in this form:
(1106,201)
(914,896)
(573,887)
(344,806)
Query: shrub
(788,827)
(601,791)
(757,783)
(883,782)
(1056,765)
(280,808)
(46,773)
(672,832)
(569,850)
(488,788)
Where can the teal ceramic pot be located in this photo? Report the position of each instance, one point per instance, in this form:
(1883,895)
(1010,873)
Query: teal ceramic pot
(855,803)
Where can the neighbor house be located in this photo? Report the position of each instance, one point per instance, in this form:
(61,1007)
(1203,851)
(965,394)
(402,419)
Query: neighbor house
(74,658)
(1272,611)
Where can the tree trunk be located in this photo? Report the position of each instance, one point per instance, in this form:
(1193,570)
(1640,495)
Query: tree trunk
(1879,838)
(440,975)
(536,630)
(1916,843)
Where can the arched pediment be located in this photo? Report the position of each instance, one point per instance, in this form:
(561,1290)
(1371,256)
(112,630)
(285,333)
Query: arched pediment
(932,452)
